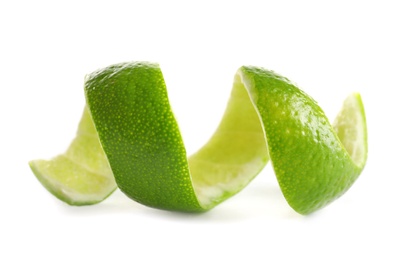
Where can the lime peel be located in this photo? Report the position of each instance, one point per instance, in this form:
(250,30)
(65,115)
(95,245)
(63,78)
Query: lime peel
(81,175)
(267,118)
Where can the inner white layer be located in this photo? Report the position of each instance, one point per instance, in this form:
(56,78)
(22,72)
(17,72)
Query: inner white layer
(235,153)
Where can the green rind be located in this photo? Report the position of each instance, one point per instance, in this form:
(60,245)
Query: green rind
(311,165)
(139,134)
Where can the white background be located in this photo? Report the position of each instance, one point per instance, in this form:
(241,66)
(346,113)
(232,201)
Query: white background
(329,48)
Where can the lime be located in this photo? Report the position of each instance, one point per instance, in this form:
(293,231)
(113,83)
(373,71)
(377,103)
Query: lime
(267,118)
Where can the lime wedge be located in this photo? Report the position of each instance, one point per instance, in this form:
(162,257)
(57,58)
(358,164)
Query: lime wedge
(80,176)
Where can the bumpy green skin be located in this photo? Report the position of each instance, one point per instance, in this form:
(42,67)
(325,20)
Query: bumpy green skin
(141,139)
(311,165)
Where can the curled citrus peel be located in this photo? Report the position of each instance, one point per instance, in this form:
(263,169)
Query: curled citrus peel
(134,143)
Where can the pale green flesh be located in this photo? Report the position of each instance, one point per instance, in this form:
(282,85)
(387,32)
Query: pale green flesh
(234,155)
(81,175)
(351,129)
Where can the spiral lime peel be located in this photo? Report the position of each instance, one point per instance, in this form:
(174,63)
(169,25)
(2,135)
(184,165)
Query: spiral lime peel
(267,118)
